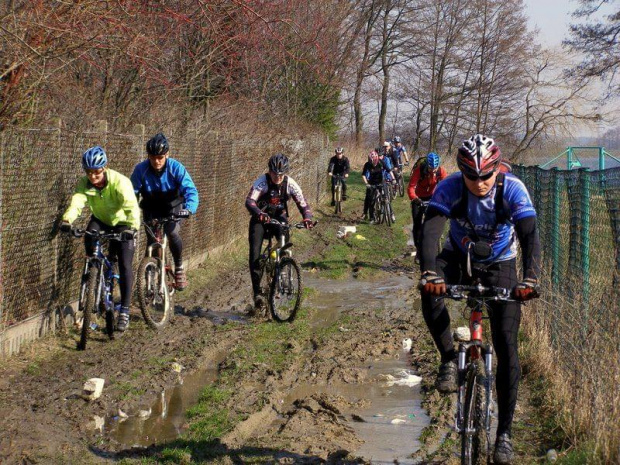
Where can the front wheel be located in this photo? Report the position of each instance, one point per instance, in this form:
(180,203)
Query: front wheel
(285,293)
(388,211)
(153,294)
(474,450)
(338,198)
(88,302)
(401,186)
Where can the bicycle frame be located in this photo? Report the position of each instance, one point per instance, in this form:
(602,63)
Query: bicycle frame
(155,229)
(105,286)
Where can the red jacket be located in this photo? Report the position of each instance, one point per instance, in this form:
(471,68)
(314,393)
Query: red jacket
(423,187)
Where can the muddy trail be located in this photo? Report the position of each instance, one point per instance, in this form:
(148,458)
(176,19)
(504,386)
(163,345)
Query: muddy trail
(350,381)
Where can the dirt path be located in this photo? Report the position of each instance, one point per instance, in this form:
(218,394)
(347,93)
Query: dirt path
(278,394)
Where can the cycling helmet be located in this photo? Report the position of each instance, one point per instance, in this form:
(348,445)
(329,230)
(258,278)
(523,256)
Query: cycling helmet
(396,140)
(478,156)
(158,145)
(278,163)
(94,158)
(387,143)
(433,160)
(339,150)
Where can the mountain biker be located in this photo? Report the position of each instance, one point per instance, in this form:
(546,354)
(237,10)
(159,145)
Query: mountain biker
(398,152)
(165,188)
(372,175)
(488,211)
(114,208)
(339,165)
(268,198)
(424,178)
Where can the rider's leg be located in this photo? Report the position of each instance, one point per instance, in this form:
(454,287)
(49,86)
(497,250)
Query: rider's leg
(418,212)
(124,251)
(505,321)
(255,238)
(368,202)
(344,189)
(93,225)
(333,191)
(437,320)
(173,231)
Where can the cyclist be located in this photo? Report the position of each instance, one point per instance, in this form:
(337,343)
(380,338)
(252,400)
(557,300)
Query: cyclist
(399,152)
(487,212)
(114,208)
(388,172)
(373,173)
(424,178)
(268,198)
(166,188)
(339,165)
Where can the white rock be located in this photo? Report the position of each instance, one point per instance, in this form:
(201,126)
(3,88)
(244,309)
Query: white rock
(398,421)
(144,413)
(462,334)
(93,388)
(407,344)
(177,367)
(98,422)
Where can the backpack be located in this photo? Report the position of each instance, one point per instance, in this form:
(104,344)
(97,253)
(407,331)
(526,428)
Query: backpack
(422,162)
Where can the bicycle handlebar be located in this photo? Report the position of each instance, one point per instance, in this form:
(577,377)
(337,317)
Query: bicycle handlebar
(77,232)
(174,218)
(461,291)
(289,226)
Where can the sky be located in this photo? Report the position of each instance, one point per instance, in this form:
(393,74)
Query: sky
(552,18)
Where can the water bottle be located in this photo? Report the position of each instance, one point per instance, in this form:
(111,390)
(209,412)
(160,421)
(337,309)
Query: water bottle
(94,326)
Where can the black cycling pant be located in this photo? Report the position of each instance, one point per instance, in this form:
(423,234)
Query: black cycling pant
(368,198)
(344,187)
(505,318)
(417,214)
(120,251)
(257,233)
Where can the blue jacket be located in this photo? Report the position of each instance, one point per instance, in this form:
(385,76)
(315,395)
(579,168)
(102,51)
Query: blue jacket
(163,191)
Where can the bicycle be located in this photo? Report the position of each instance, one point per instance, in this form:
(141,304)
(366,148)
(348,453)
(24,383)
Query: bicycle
(280,274)
(155,282)
(381,204)
(97,286)
(339,179)
(400,182)
(475,374)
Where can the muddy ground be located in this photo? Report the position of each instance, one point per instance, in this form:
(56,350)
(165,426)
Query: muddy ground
(43,418)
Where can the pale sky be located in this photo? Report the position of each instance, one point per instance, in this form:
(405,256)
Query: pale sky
(552,18)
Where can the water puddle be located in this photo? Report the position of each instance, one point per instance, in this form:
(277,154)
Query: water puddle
(394,418)
(337,296)
(164,420)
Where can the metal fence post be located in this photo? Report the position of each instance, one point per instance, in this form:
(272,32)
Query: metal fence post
(2,171)
(555,230)
(584,176)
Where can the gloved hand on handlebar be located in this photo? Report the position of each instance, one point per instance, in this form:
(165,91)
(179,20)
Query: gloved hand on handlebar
(264,218)
(432,284)
(416,201)
(128,235)
(525,290)
(183,213)
(308,224)
(65,227)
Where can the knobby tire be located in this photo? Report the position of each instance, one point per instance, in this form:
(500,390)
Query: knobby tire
(388,211)
(401,186)
(338,198)
(285,296)
(90,303)
(474,444)
(155,308)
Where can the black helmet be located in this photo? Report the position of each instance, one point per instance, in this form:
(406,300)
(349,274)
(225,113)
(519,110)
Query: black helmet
(158,145)
(278,163)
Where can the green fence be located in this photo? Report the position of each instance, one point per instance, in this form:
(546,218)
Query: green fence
(579,223)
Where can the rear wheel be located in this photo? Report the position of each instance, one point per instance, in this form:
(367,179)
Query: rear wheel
(388,211)
(285,294)
(376,206)
(89,300)
(338,197)
(401,186)
(154,298)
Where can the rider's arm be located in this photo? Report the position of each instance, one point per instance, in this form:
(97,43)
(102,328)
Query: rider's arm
(413,182)
(406,155)
(347,167)
(527,232)
(130,202)
(330,168)
(187,187)
(136,178)
(78,201)
(432,229)
(259,187)
(298,197)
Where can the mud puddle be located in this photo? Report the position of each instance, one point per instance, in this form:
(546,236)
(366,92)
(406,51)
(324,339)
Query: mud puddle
(336,296)
(393,418)
(164,420)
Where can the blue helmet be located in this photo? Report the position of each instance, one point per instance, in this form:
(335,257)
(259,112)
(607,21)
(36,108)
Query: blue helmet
(433,160)
(94,158)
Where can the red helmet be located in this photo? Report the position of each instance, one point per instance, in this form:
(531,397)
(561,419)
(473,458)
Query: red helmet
(478,157)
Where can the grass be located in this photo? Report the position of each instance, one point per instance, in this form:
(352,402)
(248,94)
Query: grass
(365,252)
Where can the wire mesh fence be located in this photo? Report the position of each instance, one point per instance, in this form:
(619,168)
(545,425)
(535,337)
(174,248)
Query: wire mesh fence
(579,224)
(39,170)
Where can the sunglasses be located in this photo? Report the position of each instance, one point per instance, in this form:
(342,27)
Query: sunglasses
(474,177)
(95,172)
